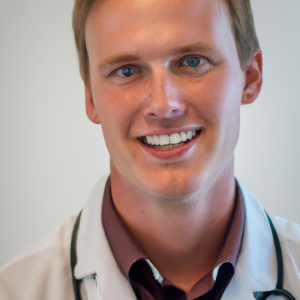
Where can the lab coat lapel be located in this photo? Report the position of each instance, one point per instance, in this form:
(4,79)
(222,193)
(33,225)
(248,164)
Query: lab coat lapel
(94,254)
(238,287)
(256,268)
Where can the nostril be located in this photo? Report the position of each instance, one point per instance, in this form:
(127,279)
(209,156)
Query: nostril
(151,114)
(164,114)
(176,112)
(165,107)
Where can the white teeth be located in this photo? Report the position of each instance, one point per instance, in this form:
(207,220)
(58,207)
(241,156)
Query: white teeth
(149,139)
(164,139)
(155,140)
(175,138)
(183,136)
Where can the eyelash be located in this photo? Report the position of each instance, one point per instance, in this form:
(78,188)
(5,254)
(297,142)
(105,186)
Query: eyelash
(202,60)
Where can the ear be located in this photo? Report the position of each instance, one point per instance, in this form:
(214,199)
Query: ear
(90,107)
(253,78)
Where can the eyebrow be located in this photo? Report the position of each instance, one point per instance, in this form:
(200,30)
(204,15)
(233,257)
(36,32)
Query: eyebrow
(127,57)
(118,58)
(202,47)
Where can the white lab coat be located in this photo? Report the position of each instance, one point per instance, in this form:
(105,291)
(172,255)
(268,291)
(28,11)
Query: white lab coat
(43,272)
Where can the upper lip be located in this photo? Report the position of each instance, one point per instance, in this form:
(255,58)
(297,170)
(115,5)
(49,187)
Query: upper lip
(170,131)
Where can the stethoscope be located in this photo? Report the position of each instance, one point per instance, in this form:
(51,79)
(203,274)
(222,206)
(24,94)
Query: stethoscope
(277,293)
(279,290)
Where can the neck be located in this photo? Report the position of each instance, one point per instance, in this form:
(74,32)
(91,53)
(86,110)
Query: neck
(183,240)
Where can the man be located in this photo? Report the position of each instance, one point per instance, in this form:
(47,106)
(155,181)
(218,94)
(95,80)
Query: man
(165,79)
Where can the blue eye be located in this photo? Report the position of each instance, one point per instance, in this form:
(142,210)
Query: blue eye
(193,61)
(127,71)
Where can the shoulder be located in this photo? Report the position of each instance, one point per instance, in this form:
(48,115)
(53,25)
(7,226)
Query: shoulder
(258,251)
(289,237)
(43,271)
(289,229)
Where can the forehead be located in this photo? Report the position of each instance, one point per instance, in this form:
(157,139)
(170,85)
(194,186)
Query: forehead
(156,26)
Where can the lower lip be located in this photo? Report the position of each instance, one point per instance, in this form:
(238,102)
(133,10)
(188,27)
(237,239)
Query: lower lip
(171,153)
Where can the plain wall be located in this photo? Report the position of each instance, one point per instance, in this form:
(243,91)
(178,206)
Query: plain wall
(52,155)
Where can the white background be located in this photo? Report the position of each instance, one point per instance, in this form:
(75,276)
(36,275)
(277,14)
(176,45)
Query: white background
(52,155)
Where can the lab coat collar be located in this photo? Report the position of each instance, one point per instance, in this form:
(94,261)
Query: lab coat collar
(93,251)
(256,267)
(257,262)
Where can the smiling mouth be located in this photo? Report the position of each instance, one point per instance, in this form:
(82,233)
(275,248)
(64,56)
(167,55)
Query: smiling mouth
(165,141)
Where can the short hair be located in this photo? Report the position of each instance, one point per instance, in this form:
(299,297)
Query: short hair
(241,16)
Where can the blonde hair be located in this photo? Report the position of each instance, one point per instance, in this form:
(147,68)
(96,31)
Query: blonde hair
(242,21)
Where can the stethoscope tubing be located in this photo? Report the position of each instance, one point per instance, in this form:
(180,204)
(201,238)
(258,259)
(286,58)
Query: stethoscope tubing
(278,291)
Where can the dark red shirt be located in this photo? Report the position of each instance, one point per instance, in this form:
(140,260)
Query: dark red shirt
(131,258)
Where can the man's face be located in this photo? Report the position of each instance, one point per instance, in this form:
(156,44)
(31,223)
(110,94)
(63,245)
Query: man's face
(159,68)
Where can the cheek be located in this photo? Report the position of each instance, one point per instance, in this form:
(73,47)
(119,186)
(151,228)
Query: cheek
(217,98)
(117,107)
(216,102)
(226,116)
(111,104)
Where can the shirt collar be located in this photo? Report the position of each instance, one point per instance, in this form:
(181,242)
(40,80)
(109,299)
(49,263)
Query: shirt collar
(124,245)
(127,250)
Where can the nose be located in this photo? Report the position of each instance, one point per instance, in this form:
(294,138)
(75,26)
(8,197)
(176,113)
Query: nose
(165,99)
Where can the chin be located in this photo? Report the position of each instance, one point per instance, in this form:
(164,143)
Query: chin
(172,185)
